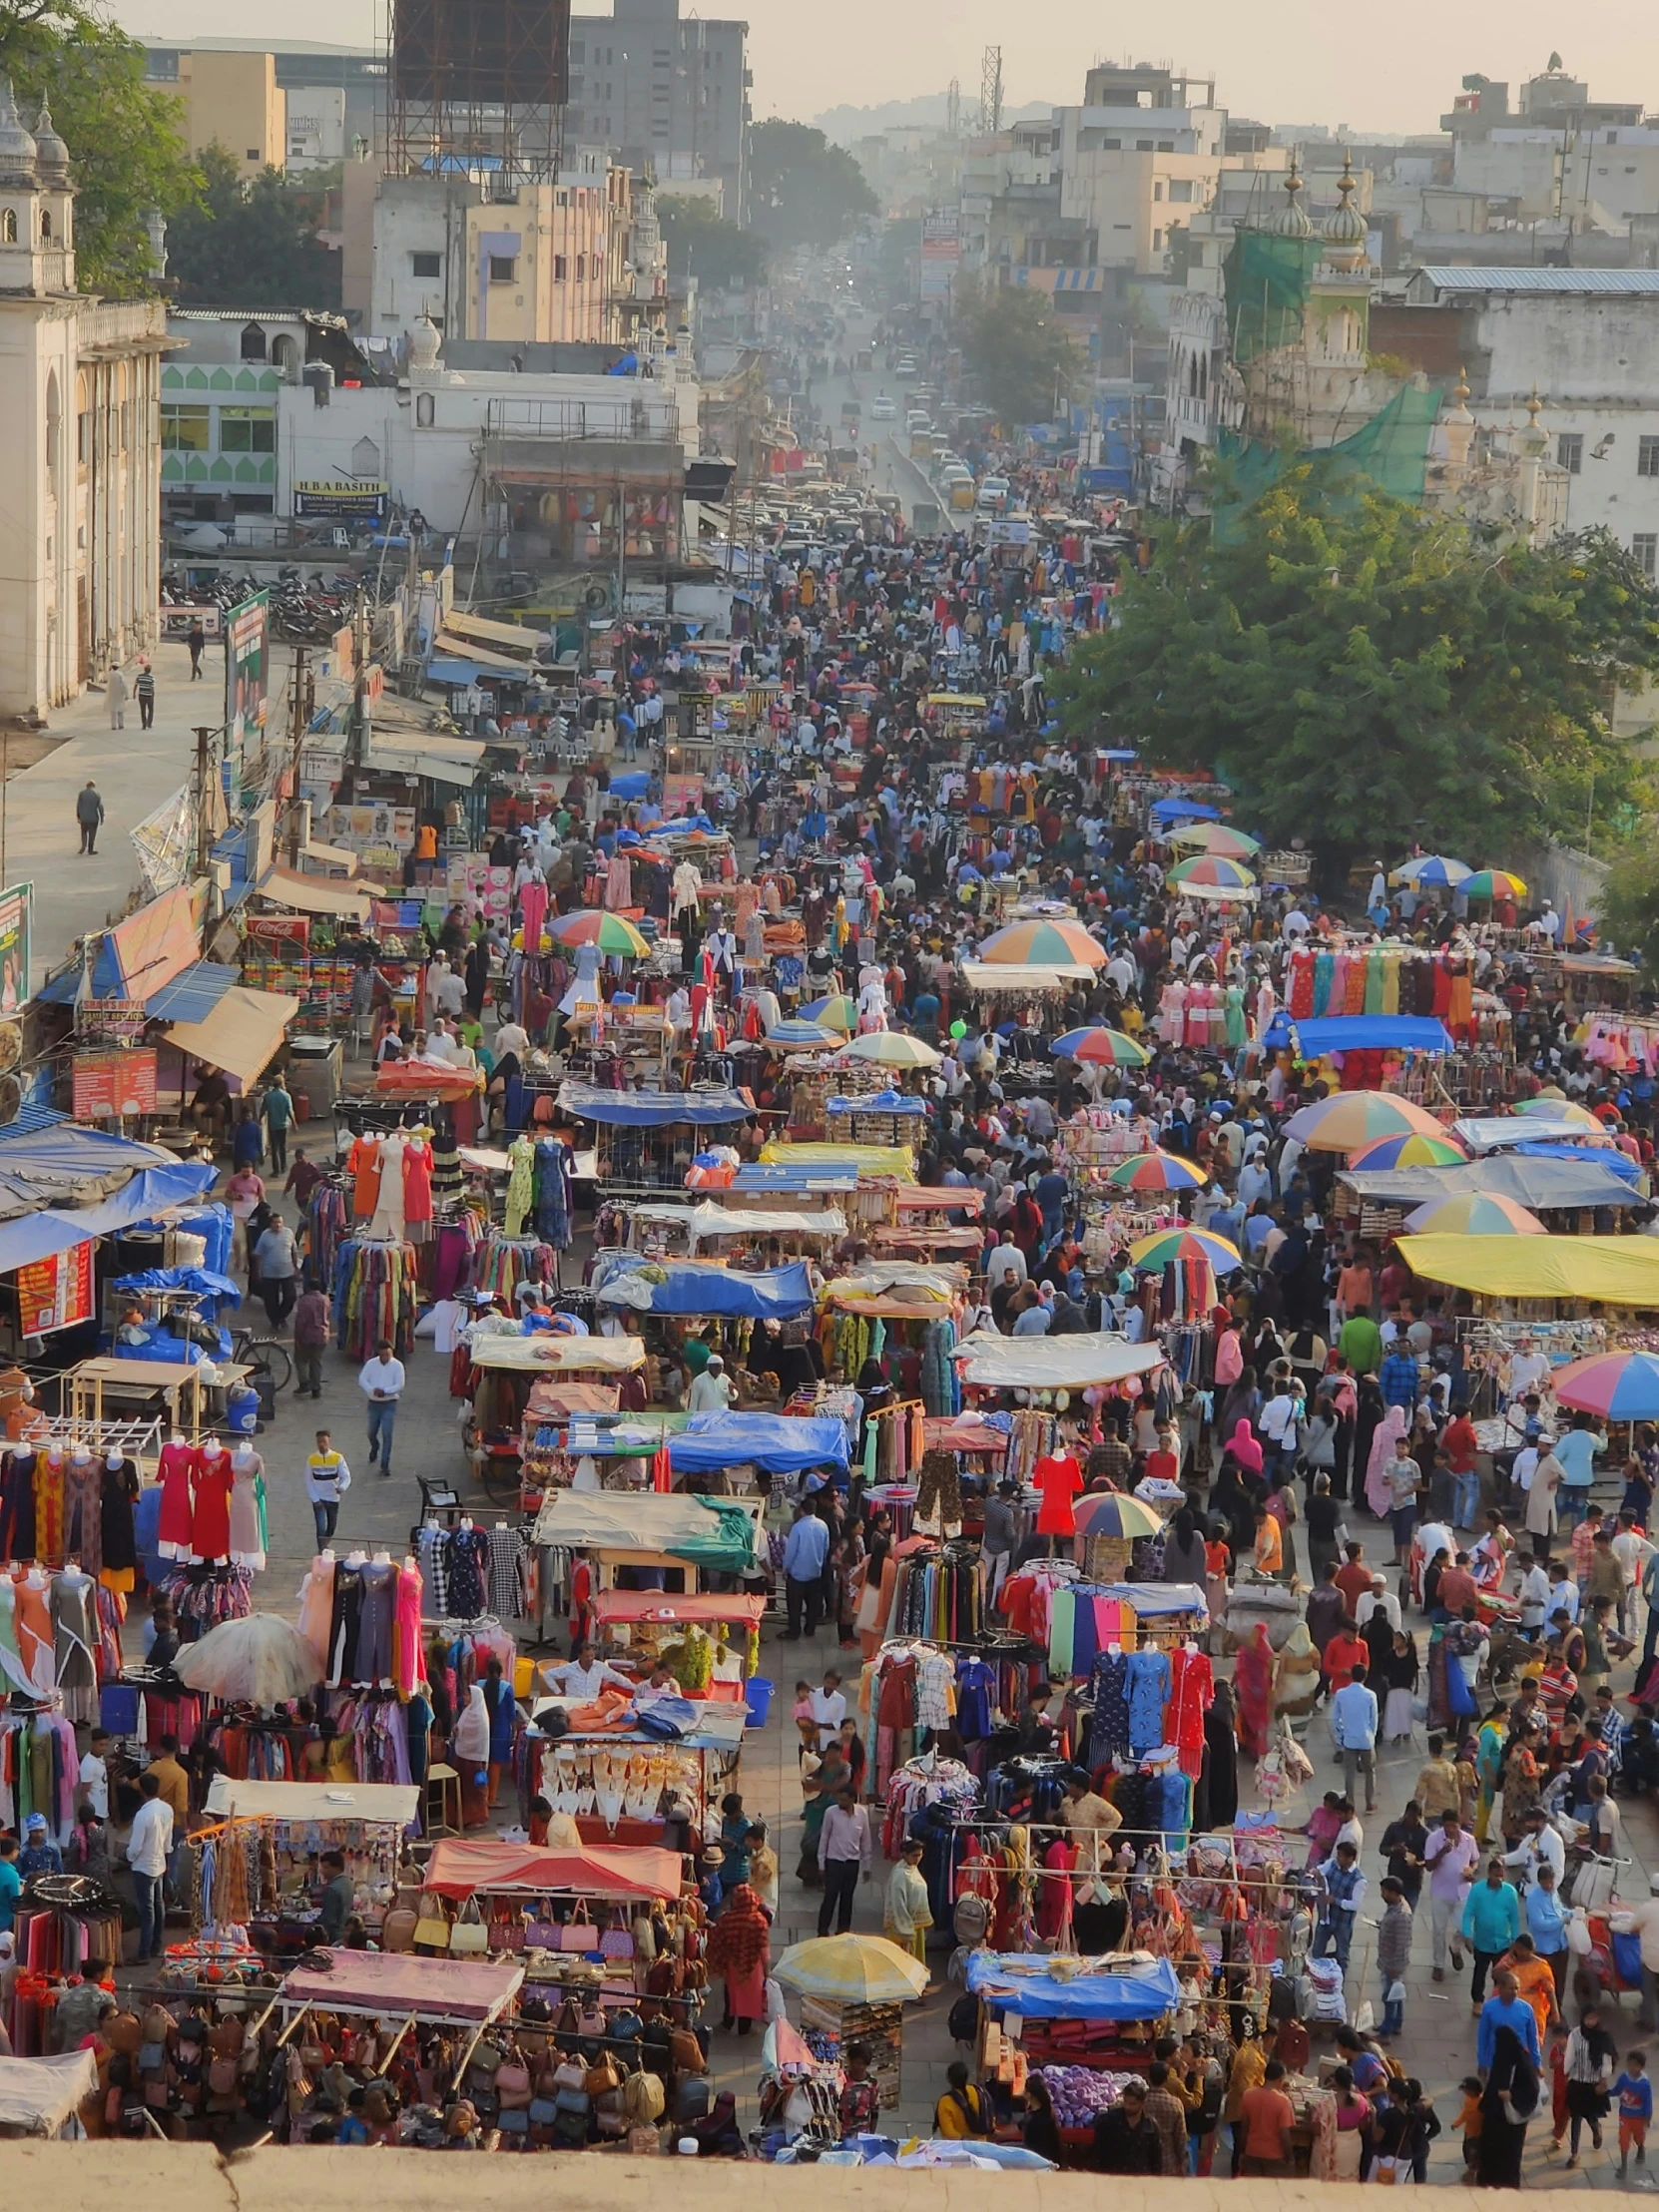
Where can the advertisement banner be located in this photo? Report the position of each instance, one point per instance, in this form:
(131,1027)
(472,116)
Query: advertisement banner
(56,1292)
(358,501)
(112,1083)
(276,930)
(247,674)
(111,1017)
(16,916)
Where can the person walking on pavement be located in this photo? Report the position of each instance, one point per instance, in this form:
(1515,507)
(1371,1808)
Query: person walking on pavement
(806,1550)
(89,813)
(843,1852)
(143,691)
(381,1381)
(327,1479)
(116,694)
(279,1113)
(310,1336)
(196,640)
(279,1265)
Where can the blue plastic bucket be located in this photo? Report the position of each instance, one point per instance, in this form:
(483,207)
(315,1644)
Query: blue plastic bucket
(757,1695)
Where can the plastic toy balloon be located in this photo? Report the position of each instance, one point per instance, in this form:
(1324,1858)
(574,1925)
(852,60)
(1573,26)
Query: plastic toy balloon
(958,1029)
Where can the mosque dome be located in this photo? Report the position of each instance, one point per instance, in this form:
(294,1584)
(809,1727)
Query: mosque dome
(1344,231)
(1291,219)
(51,152)
(424,344)
(17,149)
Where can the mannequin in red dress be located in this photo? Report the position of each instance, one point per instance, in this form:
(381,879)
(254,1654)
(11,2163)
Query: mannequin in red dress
(177,1466)
(210,1532)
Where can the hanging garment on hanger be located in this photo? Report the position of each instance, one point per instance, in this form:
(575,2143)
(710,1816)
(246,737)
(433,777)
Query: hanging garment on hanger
(209,1526)
(177,1465)
(249,1527)
(74,1642)
(386,1223)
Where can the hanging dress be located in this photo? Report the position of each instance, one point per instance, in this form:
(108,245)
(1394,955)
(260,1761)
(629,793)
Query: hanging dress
(74,1603)
(118,1544)
(210,1527)
(249,1525)
(1323,982)
(36,1637)
(177,1466)
(1234,1013)
(362,1164)
(521,1154)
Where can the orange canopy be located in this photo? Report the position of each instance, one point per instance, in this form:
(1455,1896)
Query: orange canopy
(458,1868)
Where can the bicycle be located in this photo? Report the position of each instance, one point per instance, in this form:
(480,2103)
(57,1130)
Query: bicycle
(268,1353)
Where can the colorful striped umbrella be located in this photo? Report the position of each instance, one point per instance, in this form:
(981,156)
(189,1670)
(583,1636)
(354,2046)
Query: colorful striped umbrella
(1157,1171)
(1212,871)
(610,933)
(1216,839)
(1104,1047)
(801,1036)
(1165,1245)
(1413,1151)
(1348,1120)
(1619,1385)
(835,1012)
(1038,944)
(1493,883)
(1114,1513)
(890,1048)
(1560,1109)
(1432,868)
(1475,1214)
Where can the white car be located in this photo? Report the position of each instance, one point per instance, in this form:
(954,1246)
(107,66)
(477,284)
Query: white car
(883,409)
(994,495)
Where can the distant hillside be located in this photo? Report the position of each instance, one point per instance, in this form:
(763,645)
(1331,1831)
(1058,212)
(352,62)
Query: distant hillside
(845,124)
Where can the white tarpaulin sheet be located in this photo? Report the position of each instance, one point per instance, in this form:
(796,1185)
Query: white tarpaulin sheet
(709,1220)
(1052,1363)
(40,2094)
(397,1802)
(614,1521)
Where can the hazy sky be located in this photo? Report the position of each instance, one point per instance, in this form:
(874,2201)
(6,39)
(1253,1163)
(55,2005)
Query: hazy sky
(1288,61)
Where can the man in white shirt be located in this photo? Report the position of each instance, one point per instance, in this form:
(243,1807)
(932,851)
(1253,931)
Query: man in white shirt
(1277,1420)
(94,1775)
(147,1844)
(445,991)
(582,1676)
(710,1392)
(1540,1846)
(1534,1596)
(1121,970)
(511,1038)
(1006,1264)
(828,1707)
(1528,1370)
(843,1850)
(381,1383)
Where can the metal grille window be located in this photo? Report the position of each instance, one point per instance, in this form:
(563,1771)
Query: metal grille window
(1644,547)
(503,268)
(1647,456)
(248,429)
(1570,452)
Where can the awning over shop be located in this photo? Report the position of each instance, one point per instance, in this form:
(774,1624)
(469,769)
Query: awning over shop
(686,1286)
(40,2095)
(193,995)
(445,759)
(1005,976)
(1060,1362)
(707,1533)
(397,1803)
(799,1178)
(864,1158)
(1496,1132)
(241,1035)
(399,1986)
(312,895)
(884,1102)
(512,637)
(1613,1271)
(938,1198)
(1017,1982)
(1359,1033)
(460,1868)
(653,1109)
(1539,1185)
(148,950)
(775,1443)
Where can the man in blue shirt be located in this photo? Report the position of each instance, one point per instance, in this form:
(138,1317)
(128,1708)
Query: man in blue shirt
(1506,2007)
(1577,1452)
(1399,1378)
(1353,1726)
(806,1550)
(1491,1922)
(11,1881)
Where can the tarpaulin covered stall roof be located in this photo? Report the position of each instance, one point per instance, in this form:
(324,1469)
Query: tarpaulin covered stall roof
(1539,1185)
(40,2095)
(797,1176)
(686,1286)
(653,1109)
(242,1034)
(459,1866)
(542,1352)
(710,1220)
(865,1159)
(1498,1132)
(1135,1989)
(397,1803)
(776,1443)
(398,1985)
(707,1532)
(1055,1363)
(1359,1033)
(1614,1270)
(56,1162)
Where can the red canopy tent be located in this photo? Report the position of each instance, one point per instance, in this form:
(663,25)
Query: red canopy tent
(460,1868)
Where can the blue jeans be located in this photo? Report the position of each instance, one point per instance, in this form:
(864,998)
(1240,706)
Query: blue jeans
(1335,1934)
(146,1888)
(382,1419)
(1394,2014)
(1570,1502)
(1466,1501)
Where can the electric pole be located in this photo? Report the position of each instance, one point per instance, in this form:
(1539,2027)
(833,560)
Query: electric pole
(301,707)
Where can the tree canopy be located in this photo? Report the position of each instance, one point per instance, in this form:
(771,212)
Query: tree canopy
(701,244)
(1365,675)
(1015,351)
(125,147)
(802,189)
(252,244)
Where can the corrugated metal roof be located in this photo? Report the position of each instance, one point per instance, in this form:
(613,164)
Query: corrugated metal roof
(193,995)
(1637,281)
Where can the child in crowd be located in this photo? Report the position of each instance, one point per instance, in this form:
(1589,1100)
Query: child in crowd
(1635,2094)
(1469,2123)
(805,1721)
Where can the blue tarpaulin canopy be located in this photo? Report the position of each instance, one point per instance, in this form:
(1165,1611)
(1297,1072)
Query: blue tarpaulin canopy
(780,1446)
(204,1282)
(1134,1993)
(633,784)
(774,1295)
(653,1109)
(885,1102)
(1602,1156)
(1357,1034)
(59,1162)
(1183,809)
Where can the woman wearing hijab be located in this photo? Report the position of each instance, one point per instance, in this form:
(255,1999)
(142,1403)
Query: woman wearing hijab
(1219,1783)
(1243,1445)
(740,1947)
(1253,1679)
(1240,1406)
(1507,2103)
(1184,1555)
(1368,1417)
(1390,1432)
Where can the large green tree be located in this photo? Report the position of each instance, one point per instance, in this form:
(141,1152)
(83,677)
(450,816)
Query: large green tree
(252,244)
(1364,674)
(125,140)
(702,243)
(802,189)
(1019,357)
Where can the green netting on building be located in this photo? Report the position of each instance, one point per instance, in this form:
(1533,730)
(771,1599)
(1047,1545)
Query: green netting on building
(1267,279)
(1388,453)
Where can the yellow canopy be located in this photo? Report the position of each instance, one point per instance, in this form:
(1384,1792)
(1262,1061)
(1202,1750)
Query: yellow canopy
(1616,1271)
(869,1159)
(240,1034)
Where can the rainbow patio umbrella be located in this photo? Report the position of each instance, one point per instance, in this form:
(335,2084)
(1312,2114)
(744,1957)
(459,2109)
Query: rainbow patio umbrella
(1412,1151)
(1560,1109)
(1348,1120)
(1216,839)
(1104,1047)
(1434,871)
(1493,883)
(1038,944)
(1475,1214)
(610,933)
(801,1036)
(1165,1245)
(1113,1513)
(1619,1385)
(1157,1171)
(835,1012)
(1212,871)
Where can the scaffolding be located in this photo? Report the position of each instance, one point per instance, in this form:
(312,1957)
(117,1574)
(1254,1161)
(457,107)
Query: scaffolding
(477,88)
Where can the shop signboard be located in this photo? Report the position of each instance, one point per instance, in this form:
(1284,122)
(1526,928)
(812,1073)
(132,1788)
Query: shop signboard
(56,1292)
(108,1084)
(247,674)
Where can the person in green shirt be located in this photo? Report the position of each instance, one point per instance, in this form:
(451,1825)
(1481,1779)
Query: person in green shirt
(695,1355)
(278,1112)
(1360,1343)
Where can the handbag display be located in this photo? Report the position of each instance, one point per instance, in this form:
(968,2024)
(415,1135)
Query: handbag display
(432,1929)
(618,1939)
(577,1933)
(512,2084)
(507,1932)
(469,1937)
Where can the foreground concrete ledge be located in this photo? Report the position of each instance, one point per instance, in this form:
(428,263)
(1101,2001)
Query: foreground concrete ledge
(192,2177)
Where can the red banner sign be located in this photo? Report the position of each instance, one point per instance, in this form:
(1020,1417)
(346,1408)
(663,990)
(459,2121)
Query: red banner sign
(112,1083)
(271,929)
(56,1292)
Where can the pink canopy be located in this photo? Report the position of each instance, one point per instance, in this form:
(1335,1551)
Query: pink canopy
(384,1981)
(458,1868)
